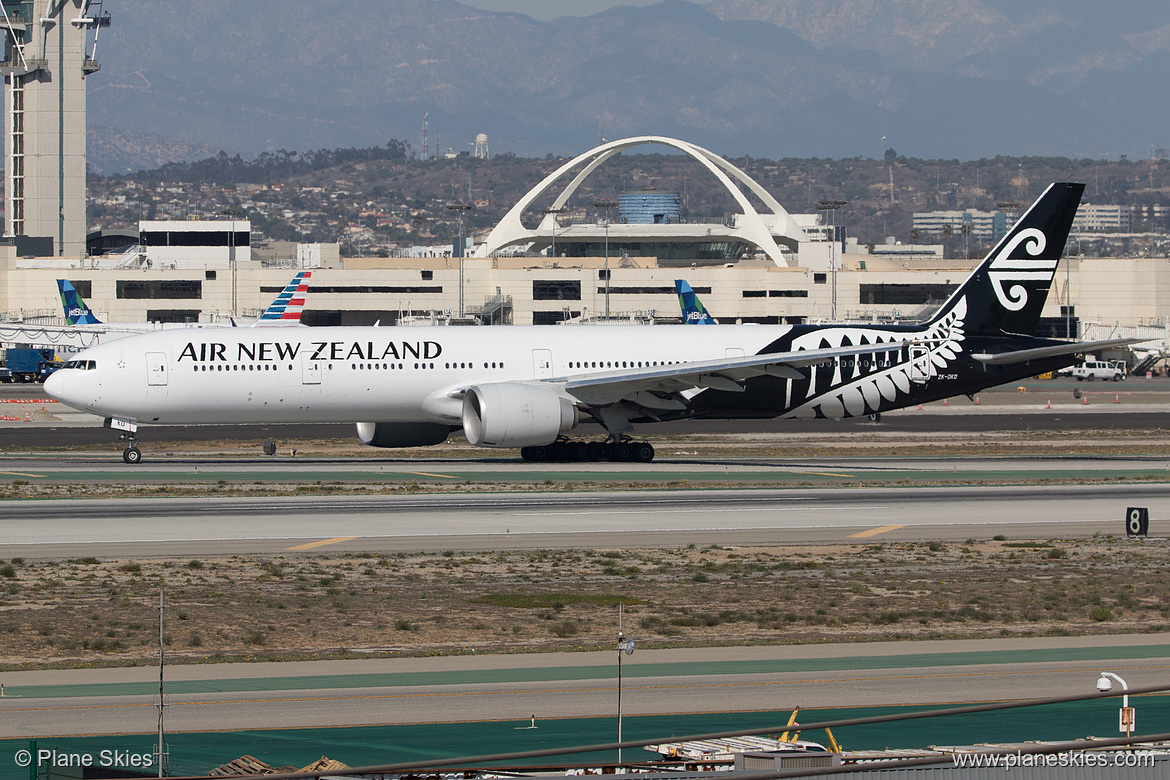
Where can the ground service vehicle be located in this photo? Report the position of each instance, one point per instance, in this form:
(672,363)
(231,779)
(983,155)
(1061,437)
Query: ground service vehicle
(1098,369)
(31,365)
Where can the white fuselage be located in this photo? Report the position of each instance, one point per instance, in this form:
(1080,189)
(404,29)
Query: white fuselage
(356,374)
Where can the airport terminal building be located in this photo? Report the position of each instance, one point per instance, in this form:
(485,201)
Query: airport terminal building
(763,265)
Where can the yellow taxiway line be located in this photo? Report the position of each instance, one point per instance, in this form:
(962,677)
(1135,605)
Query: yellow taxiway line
(875,531)
(322,543)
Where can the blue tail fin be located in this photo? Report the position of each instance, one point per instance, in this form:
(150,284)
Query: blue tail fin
(693,311)
(76,311)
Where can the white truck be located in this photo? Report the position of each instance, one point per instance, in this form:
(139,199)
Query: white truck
(1099,369)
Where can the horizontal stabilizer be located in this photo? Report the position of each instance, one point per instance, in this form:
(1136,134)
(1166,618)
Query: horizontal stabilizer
(1071,348)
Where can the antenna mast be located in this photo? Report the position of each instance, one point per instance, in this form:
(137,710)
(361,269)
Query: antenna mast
(426,145)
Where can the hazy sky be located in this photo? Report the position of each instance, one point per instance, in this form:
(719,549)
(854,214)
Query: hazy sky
(551,9)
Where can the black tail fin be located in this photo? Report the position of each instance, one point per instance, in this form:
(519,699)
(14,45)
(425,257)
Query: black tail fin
(1006,293)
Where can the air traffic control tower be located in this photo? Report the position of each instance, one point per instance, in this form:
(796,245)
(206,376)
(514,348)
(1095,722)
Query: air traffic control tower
(49,49)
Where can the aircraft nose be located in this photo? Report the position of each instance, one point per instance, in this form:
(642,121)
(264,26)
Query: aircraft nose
(55,386)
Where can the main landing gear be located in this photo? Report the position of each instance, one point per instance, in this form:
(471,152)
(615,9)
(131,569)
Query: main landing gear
(619,449)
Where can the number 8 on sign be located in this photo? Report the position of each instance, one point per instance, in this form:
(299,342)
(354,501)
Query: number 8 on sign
(1137,521)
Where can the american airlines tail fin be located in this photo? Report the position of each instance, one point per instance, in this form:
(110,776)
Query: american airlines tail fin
(693,311)
(287,308)
(1005,294)
(76,310)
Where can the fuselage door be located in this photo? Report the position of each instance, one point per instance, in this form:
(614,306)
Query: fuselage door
(919,364)
(310,370)
(734,352)
(156,369)
(542,363)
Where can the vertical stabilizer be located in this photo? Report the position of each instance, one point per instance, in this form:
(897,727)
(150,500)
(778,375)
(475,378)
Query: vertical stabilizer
(693,311)
(287,307)
(1006,293)
(76,310)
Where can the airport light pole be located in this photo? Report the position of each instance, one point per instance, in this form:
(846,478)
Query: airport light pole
(625,646)
(232,213)
(460,207)
(1127,714)
(831,206)
(607,205)
(553,212)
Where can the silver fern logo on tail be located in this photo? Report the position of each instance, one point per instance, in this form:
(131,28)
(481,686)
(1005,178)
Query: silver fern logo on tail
(868,386)
(1005,268)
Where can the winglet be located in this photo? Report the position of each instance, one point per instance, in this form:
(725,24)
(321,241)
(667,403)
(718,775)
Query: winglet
(76,310)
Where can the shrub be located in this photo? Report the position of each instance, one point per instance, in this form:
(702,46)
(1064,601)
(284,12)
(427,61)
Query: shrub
(1101,614)
(564,629)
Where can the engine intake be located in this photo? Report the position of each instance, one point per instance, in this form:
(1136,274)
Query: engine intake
(412,434)
(511,414)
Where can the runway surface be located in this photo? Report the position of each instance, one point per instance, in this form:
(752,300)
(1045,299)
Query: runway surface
(211,526)
(471,688)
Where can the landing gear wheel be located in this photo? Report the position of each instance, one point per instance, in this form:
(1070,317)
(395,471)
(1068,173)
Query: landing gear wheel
(643,452)
(132,455)
(623,453)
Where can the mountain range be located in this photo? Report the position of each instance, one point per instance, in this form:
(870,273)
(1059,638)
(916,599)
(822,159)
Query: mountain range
(946,79)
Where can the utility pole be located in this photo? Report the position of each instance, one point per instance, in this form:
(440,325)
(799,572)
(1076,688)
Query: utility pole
(161,754)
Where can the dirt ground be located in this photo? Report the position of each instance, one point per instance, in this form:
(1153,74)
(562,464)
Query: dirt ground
(104,612)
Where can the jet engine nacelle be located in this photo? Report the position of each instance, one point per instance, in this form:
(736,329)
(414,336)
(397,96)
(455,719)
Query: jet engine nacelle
(413,434)
(510,414)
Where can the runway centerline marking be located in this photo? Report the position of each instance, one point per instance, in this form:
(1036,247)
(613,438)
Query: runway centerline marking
(322,543)
(875,531)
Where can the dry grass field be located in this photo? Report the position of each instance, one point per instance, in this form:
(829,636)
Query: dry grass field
(103,612)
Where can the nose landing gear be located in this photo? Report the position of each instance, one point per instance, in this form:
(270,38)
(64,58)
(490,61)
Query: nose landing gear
(131,454)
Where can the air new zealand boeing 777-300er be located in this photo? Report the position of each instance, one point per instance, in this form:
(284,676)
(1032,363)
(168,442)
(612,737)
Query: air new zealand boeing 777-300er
(528,386)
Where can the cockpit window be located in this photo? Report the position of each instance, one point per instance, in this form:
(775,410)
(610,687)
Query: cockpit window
(80,365)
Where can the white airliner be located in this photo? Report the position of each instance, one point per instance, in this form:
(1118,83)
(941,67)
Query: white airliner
(529,386)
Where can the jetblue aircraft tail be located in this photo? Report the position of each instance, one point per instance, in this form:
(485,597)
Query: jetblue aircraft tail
(1005,294)
(76,310)
(693,311)
(287,307)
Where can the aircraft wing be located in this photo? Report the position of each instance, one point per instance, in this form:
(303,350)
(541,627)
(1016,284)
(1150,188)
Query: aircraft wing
(1071,348)
(639,384)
